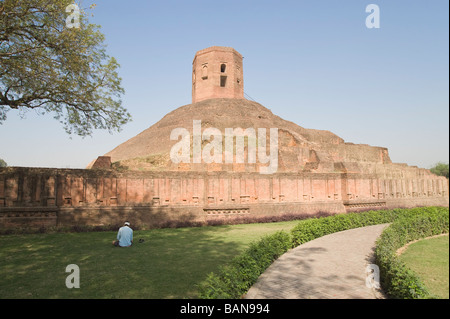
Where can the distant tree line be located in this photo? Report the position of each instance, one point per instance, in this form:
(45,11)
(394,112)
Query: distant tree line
(440,169)
(3,163)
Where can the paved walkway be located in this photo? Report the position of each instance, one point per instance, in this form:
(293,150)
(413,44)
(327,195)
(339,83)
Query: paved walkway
(330,267)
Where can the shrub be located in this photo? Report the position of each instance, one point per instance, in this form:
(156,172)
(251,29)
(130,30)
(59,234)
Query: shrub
(234,280)
(440,169)
(313,228)
(397,279)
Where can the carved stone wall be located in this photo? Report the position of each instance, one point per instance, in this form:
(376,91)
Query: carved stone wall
(41,196)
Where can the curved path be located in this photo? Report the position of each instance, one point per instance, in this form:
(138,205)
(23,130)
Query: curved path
(329,267)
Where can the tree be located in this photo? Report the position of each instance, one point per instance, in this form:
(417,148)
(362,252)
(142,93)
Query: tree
(51,68)
(440,169)
(3,163)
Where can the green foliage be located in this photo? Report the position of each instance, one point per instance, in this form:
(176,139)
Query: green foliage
(440,169)
(234,279)
(429,259)
(313,228)
(396,279)
(407,225)
(48,67)
(3,163)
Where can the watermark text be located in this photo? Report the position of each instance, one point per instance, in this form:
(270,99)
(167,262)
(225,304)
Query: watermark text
(219,149)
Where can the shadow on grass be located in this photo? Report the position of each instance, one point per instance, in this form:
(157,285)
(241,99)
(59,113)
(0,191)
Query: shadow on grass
(168,264)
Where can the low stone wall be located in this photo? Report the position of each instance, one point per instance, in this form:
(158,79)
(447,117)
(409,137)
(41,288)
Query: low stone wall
(47,196)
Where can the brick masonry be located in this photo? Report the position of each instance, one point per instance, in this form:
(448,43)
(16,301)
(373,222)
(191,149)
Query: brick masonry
(47,196)
(217,72)
(317,170)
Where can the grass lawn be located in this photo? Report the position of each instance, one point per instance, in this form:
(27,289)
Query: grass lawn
(429,259)
(168,264)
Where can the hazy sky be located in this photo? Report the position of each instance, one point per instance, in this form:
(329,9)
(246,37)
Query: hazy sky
(314,63)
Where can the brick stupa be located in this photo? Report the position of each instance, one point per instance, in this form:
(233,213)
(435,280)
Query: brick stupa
(218,101)
(139,181)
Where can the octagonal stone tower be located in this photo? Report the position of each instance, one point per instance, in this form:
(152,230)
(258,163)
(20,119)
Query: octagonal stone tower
(217,73)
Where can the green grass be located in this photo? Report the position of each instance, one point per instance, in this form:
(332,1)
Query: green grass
(169,264)
(429,259)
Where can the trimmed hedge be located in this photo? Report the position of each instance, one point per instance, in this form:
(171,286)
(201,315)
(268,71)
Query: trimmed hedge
(313,228)
(234,279)
(397,280)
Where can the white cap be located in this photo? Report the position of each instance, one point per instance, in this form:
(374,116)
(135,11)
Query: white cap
(127,223)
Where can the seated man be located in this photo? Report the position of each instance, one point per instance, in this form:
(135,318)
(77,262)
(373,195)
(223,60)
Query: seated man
(124,236)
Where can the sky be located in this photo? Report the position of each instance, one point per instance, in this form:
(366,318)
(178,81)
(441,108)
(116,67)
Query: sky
(314,63)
